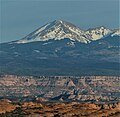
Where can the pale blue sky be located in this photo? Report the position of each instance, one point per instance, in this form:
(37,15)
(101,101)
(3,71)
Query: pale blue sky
(20,17)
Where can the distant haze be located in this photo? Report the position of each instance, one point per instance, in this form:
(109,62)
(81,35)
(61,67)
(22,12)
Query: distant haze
(20,17)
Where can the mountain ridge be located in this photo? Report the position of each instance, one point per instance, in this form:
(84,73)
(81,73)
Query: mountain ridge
(60,29)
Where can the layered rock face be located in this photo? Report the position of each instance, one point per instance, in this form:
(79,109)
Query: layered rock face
(60,88)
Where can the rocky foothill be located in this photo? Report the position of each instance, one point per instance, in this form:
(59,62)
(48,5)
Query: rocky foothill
(71,109)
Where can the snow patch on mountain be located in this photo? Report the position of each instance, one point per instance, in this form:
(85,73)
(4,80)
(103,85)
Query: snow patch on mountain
(116,33)
(46,43)
(36,51)
(71,44)
(98,33)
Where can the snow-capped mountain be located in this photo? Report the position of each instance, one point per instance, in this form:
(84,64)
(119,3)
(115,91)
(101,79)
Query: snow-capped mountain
(59,30)
(56,30)
(59,48)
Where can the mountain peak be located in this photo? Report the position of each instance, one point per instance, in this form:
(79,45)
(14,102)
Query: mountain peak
(59,29)
(55,22)
(58,21)
(102,27)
